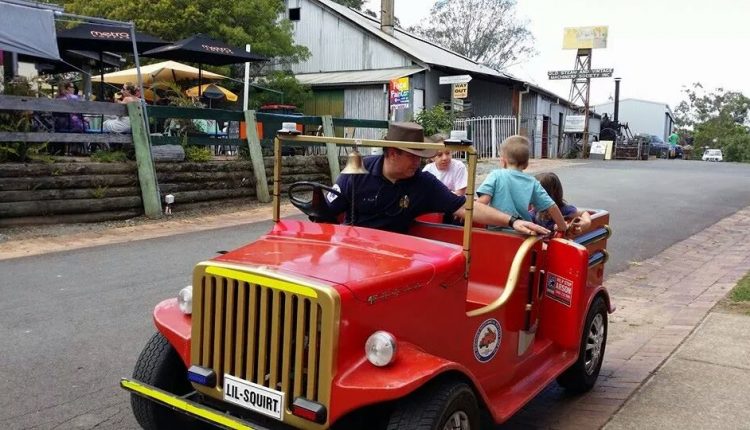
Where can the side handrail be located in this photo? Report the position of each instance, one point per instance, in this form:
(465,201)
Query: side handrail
(513,275)
(594,236)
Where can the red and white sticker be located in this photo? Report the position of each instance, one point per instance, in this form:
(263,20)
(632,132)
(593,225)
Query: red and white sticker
(559,289)
(487,340)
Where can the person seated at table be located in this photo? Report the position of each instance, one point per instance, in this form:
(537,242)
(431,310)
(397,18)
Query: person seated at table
(121,124)
(68,122)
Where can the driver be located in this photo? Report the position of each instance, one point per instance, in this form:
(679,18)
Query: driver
(396,191)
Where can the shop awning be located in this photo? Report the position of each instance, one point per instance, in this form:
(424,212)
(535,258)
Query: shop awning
(27,30)
(357,77)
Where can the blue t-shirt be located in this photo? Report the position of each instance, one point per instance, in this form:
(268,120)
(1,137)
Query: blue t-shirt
(513,191)
(382,204)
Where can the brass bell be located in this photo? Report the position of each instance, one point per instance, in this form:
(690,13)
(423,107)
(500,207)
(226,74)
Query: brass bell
(354,164)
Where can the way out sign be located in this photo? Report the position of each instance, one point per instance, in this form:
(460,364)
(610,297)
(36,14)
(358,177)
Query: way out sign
(460,90)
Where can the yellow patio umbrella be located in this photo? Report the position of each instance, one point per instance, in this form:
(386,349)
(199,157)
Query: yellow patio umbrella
(166,71)
(212,91)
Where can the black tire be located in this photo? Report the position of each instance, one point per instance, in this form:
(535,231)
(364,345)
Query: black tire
(581,376)
(432,408)
(160,366)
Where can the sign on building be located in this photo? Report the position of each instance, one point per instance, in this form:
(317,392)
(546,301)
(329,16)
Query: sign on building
(458,105)
(399,94)
(460,91)
(456,79)
(580,74)
(574,124)
(585,37)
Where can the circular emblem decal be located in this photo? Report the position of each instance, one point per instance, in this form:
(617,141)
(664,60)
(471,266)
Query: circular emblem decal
(487,340)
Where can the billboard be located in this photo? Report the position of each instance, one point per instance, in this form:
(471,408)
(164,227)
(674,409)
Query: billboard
(585,37)
(399,94)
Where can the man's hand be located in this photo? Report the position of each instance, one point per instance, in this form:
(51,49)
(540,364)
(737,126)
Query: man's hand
(528,227)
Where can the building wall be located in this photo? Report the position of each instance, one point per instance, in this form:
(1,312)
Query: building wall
(336,44)
(642,116)
(368,102)
(489,98)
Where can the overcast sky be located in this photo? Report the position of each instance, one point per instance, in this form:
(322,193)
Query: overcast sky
(655,46)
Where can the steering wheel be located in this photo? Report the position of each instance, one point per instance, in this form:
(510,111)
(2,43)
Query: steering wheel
(316,208)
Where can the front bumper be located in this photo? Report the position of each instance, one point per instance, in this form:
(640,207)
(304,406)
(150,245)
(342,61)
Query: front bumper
(188,407)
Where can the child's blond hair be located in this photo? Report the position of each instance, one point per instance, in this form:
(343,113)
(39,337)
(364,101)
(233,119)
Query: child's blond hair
(515,150)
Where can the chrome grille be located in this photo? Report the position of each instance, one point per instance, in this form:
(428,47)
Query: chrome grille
(261,329)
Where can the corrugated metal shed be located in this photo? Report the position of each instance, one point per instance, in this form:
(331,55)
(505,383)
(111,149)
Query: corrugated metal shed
(422,51)
(356,77)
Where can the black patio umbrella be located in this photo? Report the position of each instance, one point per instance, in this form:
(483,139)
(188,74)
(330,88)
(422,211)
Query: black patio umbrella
(203,50)
(101,37)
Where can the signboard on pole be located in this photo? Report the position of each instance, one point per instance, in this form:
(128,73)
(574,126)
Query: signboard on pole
(399,94)
(574,123)
(460,91)
(585,37)
(456,79)
(580,74)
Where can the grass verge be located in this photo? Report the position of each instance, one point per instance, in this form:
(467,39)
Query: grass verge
(738,299)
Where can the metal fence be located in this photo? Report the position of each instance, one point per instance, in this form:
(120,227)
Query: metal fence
(487,132)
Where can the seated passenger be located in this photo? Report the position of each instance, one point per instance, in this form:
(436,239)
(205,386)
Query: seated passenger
(510,190)
(68,122)
(452,173)
(580,221)
(396,191)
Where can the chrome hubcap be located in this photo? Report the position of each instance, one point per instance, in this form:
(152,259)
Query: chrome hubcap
(458,421)
(594,342)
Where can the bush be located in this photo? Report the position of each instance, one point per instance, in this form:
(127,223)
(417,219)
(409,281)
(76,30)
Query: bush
(198,154)
(109,156)
(20,122)
(435,120)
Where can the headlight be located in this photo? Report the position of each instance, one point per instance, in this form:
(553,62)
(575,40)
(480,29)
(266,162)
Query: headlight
(380,348)
(185,300)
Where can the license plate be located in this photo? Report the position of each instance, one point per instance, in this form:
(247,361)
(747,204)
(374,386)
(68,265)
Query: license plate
(253,396)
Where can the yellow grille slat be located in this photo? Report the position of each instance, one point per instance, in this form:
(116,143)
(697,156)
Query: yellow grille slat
(262,338)
(218,326)
(240,340)
(229,325)
(287,339)
(299,348)
(312,350)
(252,345)
(274,357)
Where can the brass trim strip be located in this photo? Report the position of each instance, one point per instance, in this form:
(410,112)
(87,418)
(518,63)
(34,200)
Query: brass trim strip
(262,280)
(187,406)
(513,275)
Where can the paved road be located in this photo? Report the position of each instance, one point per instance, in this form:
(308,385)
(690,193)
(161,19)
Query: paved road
(72,323)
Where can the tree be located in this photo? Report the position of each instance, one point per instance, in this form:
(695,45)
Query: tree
(717,119)
(486,31)
(293,93)
(236,22)
(355,4)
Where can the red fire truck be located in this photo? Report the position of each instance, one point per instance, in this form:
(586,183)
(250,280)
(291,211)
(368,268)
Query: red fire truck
(320,325)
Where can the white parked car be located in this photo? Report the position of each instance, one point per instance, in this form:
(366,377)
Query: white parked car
(713,155)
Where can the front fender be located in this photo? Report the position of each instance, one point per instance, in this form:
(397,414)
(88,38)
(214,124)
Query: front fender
(365,384)
(175,326)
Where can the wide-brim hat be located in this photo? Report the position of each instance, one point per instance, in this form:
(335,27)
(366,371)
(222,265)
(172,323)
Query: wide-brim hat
(409,132)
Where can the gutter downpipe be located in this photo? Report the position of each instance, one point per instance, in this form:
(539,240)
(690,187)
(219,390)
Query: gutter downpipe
(520,107)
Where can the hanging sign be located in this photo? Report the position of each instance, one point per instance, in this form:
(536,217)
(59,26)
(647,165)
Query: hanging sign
(456,79)
(399,94)
(460,91)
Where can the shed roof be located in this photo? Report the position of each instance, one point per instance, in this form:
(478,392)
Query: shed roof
(356,77)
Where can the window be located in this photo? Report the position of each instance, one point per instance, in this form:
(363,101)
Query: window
(294,14)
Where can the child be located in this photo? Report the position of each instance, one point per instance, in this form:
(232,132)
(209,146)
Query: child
(452,173)
(512,191)
(581,220)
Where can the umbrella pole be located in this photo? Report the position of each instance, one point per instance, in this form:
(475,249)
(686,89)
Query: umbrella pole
(101,76)
(200,76)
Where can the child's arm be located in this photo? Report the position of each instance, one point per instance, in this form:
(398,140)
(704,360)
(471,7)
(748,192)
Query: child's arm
(484,199)
(582,222)
(557,217)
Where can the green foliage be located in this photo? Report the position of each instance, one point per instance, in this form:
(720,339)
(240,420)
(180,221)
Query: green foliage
(294,93)
(741,293)
(99,192)
(198,154)
(717,119)
(109,156)
(19,122)
(236,22)
(436,120)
